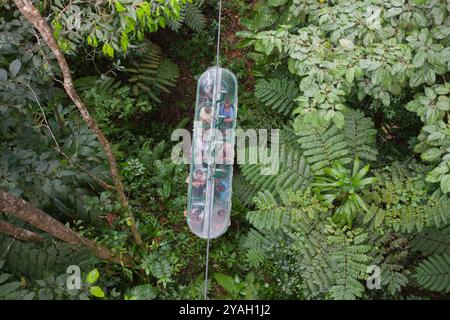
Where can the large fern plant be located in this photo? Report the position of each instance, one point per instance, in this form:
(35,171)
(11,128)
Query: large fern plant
(152,74)
(191,15)
(327,258)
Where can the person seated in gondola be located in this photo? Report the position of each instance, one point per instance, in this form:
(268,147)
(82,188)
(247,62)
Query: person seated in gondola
(205,116)
(198,183)
(196,219)
(222,171)
(226,112)
(221,189)
(219,221)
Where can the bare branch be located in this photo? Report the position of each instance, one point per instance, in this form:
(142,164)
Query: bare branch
(25,211)
(19,233)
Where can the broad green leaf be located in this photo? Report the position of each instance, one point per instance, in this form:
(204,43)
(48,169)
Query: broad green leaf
(419,58)
(3,75)
(144,292)
(119,6)
(443,103)
(430,76)
(245,34)
(309,86)
(96,291)
(430,93)
(339,120)
(347,44)
(417,79)
(14,67)
(413,106)
(350,75)
(385,98)
(124,42)
(432,154)
(445,183)
(108,50)
(92,276)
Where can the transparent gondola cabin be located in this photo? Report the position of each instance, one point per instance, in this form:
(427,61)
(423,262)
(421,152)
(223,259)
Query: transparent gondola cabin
(212,154)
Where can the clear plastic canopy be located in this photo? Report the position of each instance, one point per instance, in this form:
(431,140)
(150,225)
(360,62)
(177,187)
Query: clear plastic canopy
(212,157)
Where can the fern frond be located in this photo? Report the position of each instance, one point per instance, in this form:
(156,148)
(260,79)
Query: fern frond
(323,144)
(432,241)
(190,15)
(37,260)
(168,74)
(244,190)
(194,18)
(268,215)
(390,256)
(294,172)
(278,94)
(255,238)
(176,24)
(409,218)
(255,257)
(434,273)
(360,135)
(152,74)
(350,265)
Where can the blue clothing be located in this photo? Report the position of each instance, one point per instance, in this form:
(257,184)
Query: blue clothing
(226,113)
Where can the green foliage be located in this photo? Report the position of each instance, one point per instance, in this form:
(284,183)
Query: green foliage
(293,170)
(434,139)
(350,263)
(153,170)
(322,144)
(191,15)
(162,265)
(40,260)
(23,64)
(360,136)
(31,163)
(342,188)
(342,79)
(431,106)
(244,190)
(12,290)
(340,56)
(432,241)
(110,101)
(237,288)
(152,74)
(270,216)
(278,94)
(327,258)
(333,57)
(111,28)
(433,273)
(405,204)
(391,256)
(142,292)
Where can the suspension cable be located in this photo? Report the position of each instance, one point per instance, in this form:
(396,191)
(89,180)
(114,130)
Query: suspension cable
(210,205)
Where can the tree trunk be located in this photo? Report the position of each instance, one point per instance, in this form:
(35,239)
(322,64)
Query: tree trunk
(33,15)
(25,211)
